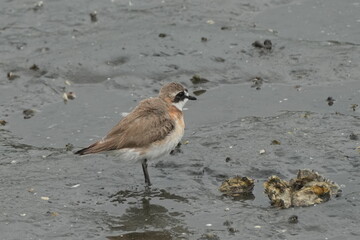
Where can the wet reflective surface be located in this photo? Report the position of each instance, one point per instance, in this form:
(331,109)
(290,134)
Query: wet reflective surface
(132,49)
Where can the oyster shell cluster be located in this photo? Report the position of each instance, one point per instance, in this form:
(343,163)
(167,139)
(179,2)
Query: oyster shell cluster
(307,189)
(237,186)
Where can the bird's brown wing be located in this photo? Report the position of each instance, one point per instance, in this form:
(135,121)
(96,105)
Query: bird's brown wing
(148,122)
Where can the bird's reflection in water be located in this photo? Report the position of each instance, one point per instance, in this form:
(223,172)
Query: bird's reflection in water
(150,235)
(242,197)
(144,220)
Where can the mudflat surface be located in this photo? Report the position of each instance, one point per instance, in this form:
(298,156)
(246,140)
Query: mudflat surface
(125,55)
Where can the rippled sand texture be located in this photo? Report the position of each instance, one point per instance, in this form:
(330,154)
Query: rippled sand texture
(260,112)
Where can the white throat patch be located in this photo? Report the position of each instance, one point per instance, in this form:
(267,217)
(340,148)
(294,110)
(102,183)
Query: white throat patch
(180,105)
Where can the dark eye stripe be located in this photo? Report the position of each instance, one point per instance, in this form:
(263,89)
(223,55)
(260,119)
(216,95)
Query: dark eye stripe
(179,97)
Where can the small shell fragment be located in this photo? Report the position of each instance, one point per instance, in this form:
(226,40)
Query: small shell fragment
(93,16)
(65,97)
(45,198)
(293,219)
(354,106)
(69,96)
(12,76)
(199,92)
(237,186)
(28,113)
(196,79)
(38,6)
(358,148)
(34,67)
(52,214)
(275,142)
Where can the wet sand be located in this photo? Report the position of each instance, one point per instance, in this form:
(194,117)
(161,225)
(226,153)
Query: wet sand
(125,54)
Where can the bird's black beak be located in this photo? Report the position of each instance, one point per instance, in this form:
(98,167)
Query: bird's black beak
(191,97)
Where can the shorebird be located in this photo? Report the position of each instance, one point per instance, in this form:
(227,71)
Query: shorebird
(151,130)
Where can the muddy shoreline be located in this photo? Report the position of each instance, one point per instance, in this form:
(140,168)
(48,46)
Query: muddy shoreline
(125,53)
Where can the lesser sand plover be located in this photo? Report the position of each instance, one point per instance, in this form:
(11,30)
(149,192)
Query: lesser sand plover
(151,130)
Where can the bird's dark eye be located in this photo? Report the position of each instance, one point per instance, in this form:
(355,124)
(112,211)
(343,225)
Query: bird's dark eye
(180,94)
(179,97)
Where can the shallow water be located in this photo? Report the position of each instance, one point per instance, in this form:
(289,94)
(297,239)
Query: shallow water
(49,193)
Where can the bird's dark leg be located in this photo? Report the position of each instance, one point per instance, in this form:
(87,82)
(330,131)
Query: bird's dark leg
(146,174)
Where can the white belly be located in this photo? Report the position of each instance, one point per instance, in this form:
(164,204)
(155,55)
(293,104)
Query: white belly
(160,149)
(154,151)
(126,154)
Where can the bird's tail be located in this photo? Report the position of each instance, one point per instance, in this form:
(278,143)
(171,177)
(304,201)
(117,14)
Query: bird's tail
(86,150)
(82,151)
